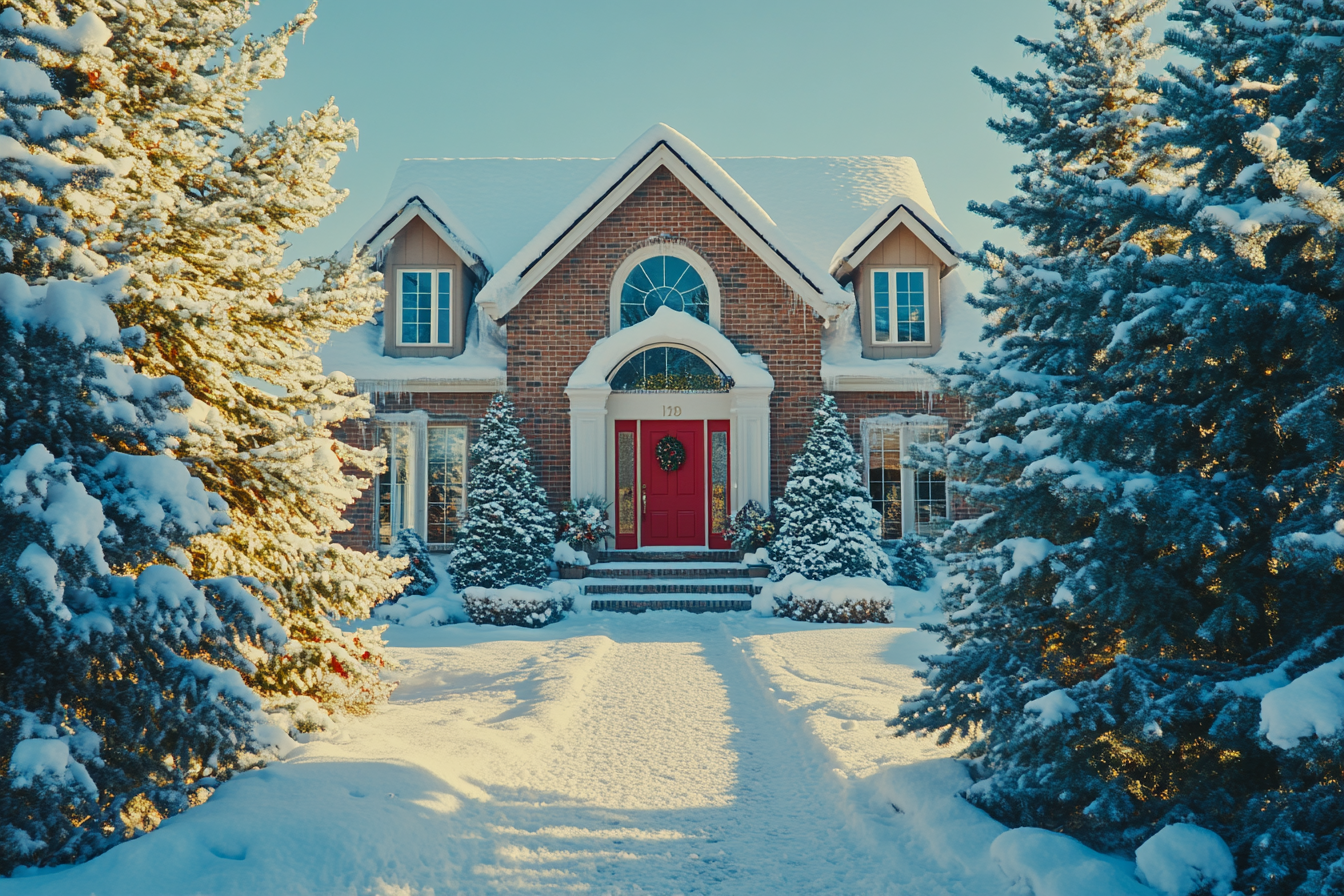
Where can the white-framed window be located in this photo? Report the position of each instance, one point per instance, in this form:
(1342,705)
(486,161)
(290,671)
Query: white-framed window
(424,307)
(900,305)
(910,500)
(424,486)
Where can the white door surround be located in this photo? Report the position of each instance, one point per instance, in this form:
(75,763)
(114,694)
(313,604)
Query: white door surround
(594,408)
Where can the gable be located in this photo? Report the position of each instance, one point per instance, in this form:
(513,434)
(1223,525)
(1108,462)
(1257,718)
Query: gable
(662,147)
(899,213)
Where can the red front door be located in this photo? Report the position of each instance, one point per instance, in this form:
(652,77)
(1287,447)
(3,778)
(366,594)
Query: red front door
(673,500)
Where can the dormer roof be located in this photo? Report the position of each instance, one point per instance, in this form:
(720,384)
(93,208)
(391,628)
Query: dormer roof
(420,200)
(663,147)
(899,209)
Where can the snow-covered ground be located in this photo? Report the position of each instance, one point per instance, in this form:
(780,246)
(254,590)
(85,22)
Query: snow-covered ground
(661,753)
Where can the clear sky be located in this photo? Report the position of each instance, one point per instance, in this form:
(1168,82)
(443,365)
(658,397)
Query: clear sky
(584,78)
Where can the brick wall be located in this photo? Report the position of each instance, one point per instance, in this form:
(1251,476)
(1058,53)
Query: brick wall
(551,330)
(442,407)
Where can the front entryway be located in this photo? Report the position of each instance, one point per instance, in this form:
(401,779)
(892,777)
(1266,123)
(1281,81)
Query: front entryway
(686,506)
(673,500)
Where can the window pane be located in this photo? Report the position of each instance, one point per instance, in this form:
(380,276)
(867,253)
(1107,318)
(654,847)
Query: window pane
(910,307)
(415,306)
(395,510)
(663,280)
(445,307)
(930,489)
(884,478)
(881,307)
(666,368)
(625,483)
(446,475)
(718,481)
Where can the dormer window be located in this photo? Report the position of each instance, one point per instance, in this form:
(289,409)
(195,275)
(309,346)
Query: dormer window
(425,307)
(900,306)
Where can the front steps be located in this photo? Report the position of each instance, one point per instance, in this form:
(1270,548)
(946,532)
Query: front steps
(700,581)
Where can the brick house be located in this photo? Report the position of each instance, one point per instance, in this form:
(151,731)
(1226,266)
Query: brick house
(660,294)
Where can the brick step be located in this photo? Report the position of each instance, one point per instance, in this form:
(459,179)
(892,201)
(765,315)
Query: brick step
(616,605)
(669,572)
(666,556)
(686,588)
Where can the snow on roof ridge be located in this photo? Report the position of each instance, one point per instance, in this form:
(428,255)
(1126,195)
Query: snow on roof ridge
(855,241)
(460,238)
(502,289)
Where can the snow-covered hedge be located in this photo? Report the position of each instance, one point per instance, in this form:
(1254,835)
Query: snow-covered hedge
(518,605)
(833,599)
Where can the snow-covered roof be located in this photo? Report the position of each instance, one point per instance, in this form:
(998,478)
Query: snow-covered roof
(899,209)
(420,200)
(359,354)
(662,146)
(814,202)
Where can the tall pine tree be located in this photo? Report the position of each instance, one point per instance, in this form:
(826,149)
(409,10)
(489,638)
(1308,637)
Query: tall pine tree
(197,211)
(120,694)
(1161,514)
(508,535)
(827,524)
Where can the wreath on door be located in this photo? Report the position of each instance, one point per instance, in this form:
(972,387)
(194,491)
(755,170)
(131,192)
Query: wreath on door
(670,452)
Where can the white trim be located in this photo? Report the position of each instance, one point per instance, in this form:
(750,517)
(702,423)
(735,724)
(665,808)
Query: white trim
(676,250)
(434,310)
(710,186)
(747,405)
(891,305)
(881,225)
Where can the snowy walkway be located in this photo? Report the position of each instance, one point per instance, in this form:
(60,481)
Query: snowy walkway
(661,753)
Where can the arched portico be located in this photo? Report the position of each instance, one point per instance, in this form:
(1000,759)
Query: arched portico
(595,410)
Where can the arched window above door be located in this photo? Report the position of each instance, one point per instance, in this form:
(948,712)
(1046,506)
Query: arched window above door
(668,368)
(664,274)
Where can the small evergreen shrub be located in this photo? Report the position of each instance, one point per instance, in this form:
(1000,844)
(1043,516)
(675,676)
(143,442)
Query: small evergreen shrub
(527,607)
(751,528)
(910,563)
(811,609)
(507,537)
(827,524)
(584,522)
(419,572)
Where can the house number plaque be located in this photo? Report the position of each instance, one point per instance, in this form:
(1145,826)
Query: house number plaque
(671,410)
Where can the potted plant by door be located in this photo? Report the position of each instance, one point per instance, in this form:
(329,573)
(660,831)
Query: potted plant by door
(584,527)
(749,531)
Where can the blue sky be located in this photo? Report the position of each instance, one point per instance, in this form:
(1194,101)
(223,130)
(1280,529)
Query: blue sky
(524,78)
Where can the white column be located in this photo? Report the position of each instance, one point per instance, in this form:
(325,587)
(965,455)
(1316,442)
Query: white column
(751,455)
(588,440)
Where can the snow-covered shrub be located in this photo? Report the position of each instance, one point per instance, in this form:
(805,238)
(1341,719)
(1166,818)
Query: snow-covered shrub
(1185,859)
(584,522)
(833,599)
(515,605)
(911,565)
(751,528)
(419,573)
(507,537)
(827,524)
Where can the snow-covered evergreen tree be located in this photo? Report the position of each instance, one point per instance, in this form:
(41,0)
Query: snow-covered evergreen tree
(508,535)
(120,693)
(198,210)
(1160,465)
(910,563)
(419,574)
(827,524)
